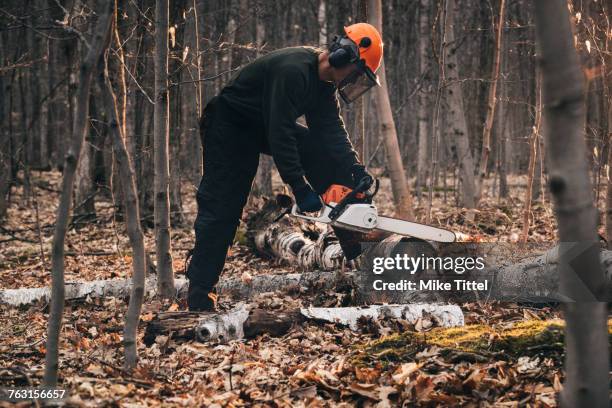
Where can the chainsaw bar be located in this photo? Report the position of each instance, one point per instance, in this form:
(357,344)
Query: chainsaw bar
(414,229)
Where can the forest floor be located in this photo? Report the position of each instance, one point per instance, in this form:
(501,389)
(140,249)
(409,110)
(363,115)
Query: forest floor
(313,365)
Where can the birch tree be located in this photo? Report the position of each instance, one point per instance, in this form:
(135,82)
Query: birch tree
(161,133)
(79,129)
(586,334)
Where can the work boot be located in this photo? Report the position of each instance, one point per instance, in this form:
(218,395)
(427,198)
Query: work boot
(200,299)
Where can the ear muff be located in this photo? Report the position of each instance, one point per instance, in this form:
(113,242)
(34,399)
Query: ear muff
(342,51)
(339,58)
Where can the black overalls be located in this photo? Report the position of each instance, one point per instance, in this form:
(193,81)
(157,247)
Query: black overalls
(241,123)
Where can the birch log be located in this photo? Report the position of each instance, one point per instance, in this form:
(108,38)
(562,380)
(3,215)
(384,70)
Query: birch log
(284,239)
(241,322)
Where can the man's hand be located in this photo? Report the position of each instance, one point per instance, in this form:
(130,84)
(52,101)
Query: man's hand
(360,173)
(306,199)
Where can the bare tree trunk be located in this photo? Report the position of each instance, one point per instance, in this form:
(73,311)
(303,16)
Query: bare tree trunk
(586,339)
(399,183)
(84,192)
(456,112)
(322,20)
(536,192)
(79,130)
(132,215)
(263,178)
(5,136)
(190,97)
(492,99)
(533,153)
(424,112)
(609,190)
(161,130)
(359,104)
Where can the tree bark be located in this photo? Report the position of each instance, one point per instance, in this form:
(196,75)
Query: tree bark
(191,98)
(322,20)
(244,323)
(399,183)
(586,339)
(79,130)
(491,101)
(263,177)
(5,135)
(533,155)
(456,111)
(132,215)
(424,108)
(161,132)
(609,178)
(85,191)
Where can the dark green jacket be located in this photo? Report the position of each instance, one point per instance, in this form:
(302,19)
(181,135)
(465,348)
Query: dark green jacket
(273,91)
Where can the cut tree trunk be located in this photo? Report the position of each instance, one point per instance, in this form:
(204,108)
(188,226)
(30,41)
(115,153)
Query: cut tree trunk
(456,111)
(161,131)
(285,240)
(79,130)
(244,323)
(586,339)
(399,183)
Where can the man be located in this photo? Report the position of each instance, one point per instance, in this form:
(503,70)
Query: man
(256,113)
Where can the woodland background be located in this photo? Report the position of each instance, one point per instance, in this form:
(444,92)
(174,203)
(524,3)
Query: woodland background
(210,40)
(463,103)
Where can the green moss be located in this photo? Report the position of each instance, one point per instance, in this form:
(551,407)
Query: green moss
(520,339)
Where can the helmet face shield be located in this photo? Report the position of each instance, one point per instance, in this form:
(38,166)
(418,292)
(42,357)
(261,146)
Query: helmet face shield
(357,83)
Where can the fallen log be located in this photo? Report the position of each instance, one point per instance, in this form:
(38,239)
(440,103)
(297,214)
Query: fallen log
(119,288)
(241,322)
(519,281)
(290,240)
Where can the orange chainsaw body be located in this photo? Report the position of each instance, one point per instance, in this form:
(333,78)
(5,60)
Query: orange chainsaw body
(336,192)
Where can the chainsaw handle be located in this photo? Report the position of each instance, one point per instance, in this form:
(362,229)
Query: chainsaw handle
(323,217)
(362,187)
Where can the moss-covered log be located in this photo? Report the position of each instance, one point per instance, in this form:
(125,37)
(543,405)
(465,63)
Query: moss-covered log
(471,343)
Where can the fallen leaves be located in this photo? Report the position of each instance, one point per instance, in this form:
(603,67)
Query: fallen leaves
(314,365)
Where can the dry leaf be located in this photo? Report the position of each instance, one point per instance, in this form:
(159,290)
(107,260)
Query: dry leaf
(404,371)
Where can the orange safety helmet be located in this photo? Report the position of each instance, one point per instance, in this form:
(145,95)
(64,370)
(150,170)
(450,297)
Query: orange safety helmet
(371,50)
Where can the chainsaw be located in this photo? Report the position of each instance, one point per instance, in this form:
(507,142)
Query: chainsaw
(354,210)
